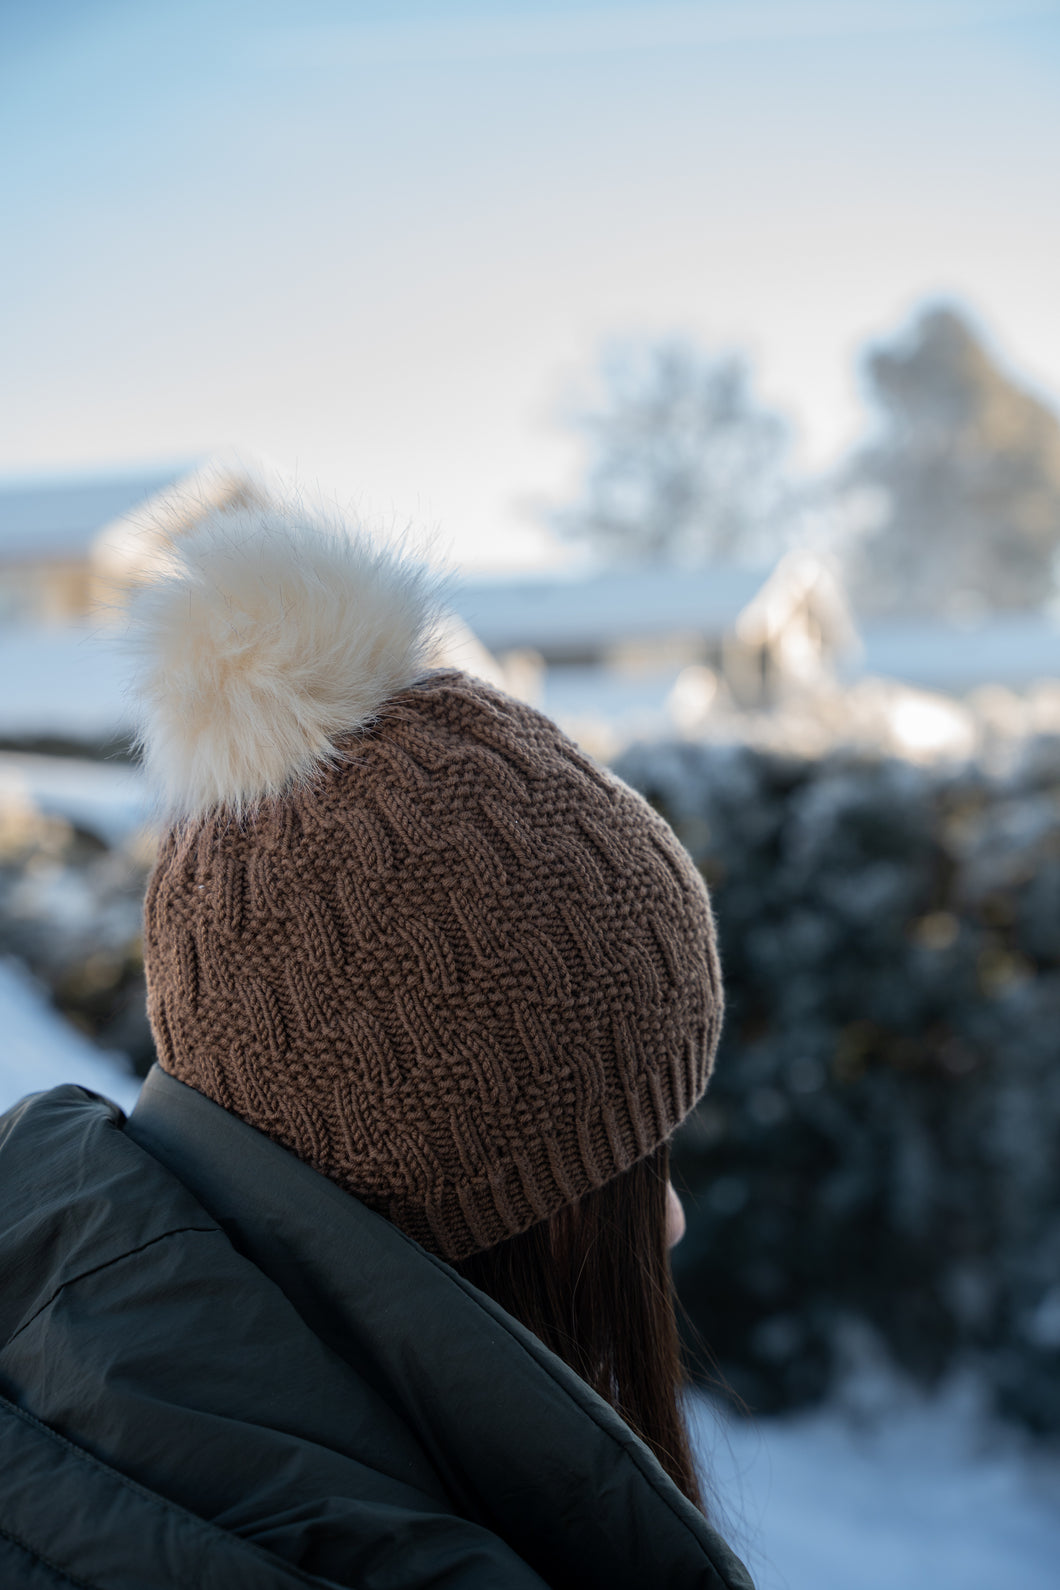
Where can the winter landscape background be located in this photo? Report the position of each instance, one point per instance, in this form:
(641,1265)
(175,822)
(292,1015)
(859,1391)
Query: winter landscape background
(871,1181)
(713,348)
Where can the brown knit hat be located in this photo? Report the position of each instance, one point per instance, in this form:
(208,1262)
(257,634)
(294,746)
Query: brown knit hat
(399,922)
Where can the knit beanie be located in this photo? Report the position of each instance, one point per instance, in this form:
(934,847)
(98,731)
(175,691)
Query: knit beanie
(399,922)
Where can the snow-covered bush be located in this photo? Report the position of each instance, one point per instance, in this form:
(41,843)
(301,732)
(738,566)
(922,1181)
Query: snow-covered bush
(881,1141)
(880,1145)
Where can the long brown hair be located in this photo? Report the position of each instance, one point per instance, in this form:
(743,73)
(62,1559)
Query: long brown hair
(593,1283)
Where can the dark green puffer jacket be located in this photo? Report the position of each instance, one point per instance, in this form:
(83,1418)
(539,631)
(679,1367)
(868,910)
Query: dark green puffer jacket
(218,1369)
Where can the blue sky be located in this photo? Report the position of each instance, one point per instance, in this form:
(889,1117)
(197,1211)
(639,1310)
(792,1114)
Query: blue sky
(380,242)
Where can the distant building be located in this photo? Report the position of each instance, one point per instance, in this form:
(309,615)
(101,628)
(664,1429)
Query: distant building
(73,551)
(793,636)
(46,536)
(71,548)
(130,549)
(765,635)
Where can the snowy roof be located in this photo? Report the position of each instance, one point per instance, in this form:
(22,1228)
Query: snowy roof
(130,547)
(601,609)
(58,518)
(1006,649)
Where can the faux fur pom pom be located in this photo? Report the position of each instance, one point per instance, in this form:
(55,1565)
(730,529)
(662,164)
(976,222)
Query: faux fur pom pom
(271,635)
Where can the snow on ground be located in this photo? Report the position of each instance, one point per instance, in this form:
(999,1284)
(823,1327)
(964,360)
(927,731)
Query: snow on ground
(911,1492)
(38,1049)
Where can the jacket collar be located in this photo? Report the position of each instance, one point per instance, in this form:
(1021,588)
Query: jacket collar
(523,1445)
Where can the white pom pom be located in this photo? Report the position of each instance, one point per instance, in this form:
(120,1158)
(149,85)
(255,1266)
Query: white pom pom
(273,634)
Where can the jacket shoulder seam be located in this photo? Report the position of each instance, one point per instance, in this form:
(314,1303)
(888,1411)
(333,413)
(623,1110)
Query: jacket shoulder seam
(96,1269)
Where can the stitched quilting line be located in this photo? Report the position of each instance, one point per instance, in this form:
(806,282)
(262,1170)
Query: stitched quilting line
(204,1531)
(23,1545)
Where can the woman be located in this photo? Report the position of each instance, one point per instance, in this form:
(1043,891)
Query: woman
(371,1288)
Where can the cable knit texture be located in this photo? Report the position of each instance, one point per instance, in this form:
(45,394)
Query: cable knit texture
(462,971)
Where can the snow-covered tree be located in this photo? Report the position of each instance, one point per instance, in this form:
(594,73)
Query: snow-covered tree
(959,490)
(683,462)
